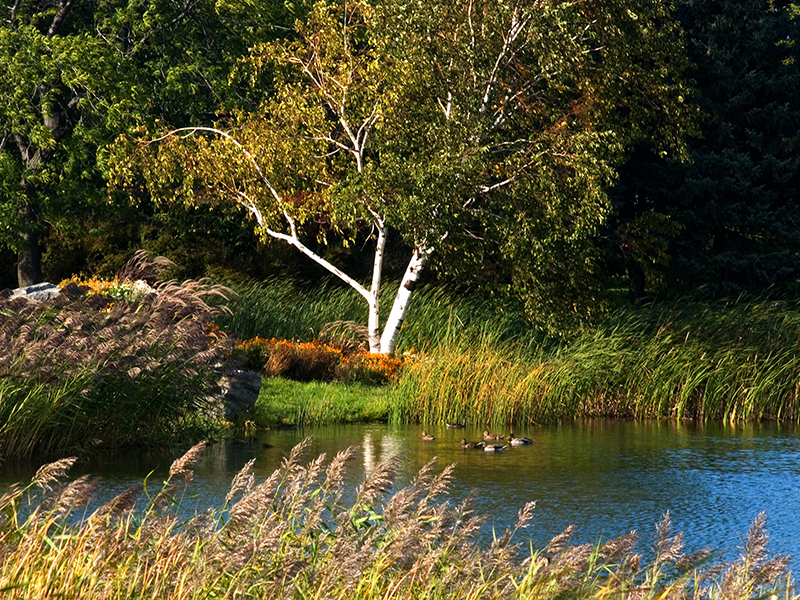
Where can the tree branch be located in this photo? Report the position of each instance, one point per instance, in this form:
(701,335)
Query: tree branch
(236,143)
(63,9)
(294,241)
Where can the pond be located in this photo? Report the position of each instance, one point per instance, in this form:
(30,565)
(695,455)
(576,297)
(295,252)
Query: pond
(605,477)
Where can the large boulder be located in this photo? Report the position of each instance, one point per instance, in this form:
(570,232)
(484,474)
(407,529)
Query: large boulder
(40,292)
(237,394)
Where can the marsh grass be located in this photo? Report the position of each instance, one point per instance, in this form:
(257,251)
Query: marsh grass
(736,362)
(480,361)
(286,309)
(85,371)
(292,536)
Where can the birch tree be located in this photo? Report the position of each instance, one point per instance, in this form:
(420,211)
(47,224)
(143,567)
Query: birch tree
(466,128)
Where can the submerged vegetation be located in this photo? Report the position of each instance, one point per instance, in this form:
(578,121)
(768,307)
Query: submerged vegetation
(294,535)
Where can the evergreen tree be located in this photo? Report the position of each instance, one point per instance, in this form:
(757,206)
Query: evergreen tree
(727,221)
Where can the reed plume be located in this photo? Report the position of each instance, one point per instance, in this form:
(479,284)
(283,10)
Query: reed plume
(288,537)
(85,367)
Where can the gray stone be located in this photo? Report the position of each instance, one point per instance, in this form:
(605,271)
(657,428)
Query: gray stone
(237,395)
(40,292)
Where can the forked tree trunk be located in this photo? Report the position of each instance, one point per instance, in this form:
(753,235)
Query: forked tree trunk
(401,301)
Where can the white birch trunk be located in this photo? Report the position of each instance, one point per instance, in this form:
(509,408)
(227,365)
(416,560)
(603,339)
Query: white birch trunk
(374,325)
(400,307)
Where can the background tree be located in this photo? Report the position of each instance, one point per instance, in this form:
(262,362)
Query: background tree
(468,129)
(734,207)
(76,74)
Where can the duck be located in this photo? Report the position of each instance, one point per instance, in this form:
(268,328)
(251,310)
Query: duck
(455,425)
(518,441)
(473,445)
(494,447)
(427,437)
(492,437)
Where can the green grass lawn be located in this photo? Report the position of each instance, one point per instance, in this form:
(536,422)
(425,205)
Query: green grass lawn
(282,401)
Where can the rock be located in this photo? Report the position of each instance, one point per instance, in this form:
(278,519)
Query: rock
(40,292)
(237,394)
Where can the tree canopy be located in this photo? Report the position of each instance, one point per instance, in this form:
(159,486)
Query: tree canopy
(470,129)
(732,209)
(74,75)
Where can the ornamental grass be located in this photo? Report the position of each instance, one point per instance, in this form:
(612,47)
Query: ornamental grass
(88,370)
(300,534)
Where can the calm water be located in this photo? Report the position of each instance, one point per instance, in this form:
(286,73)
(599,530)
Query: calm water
(605,477)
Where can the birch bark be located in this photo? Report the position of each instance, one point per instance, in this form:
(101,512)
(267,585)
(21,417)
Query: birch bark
(401,301)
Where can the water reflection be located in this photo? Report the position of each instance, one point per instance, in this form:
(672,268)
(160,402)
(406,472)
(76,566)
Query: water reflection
(606,477)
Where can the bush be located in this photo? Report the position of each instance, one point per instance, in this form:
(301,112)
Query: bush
(317,361)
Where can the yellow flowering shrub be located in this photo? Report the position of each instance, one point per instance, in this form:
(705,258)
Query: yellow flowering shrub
(117,289)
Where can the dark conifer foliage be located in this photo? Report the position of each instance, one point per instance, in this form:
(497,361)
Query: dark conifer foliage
(728,221)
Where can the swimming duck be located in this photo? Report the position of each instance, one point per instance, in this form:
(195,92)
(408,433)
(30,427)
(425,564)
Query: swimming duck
(455,425)
(494,448)
(492,437)
(427,436)
(474,445)
(518,441)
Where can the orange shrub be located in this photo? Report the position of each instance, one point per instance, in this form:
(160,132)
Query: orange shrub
(317,361)
(370,368)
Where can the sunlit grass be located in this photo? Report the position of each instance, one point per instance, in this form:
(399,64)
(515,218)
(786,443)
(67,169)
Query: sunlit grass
(293,536)
(283,401)
(479,361)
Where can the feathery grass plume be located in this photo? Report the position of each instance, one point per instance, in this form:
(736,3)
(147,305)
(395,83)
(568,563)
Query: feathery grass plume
(668,547)
(277,544)
(558,543)
(348,336)
(50,473)
(74,495)
(141,266)
(243,481)
(379,482)
(119,504)
(334,475)
(754,570)
(182,467)
(78,368)
(619,546)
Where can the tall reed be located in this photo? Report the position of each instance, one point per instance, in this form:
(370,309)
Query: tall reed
(739,362)
(293,535)
(480,360)
(286,309)
(83,370)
